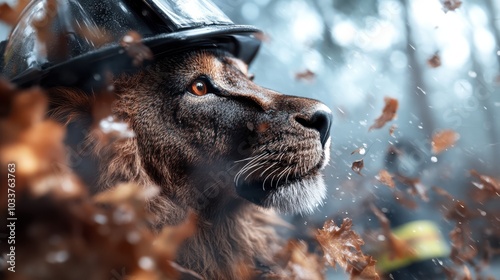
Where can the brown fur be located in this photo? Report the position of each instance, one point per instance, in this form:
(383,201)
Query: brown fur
(192,148)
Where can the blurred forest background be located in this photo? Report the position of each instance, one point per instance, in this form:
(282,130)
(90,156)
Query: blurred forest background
(443,66)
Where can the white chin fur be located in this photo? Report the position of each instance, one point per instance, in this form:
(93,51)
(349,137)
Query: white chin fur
(301,197)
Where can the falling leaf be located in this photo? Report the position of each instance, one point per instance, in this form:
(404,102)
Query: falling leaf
(443,140)
(306,75)
(467,275)
(443,193)
(342,246)
(416,186)
(404,199)
(451,5)
(132,43)
(263,37)
(298,263)
(10,15)
(385,178)
(388,113)
(392,129)
(357,166)
(463,249)
(488,183)
(396,247)
(487,189)
(434,61)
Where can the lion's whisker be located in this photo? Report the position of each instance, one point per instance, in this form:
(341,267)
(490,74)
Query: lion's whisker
(263,183)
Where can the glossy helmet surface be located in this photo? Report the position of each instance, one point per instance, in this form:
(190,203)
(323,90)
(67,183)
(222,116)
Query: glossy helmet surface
(74,42)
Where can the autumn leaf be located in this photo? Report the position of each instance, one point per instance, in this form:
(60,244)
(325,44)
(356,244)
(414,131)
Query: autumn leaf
(392,129)
(396,247)
(487,183)
(342,246)
(298,263)
(357,166)
(416,186)
(404,199)
(263,37)
(451,5)
(306,75)
(9,14)
(434,61)
(443,140)
(385,178)
(442,192)
(132,43)
(388,113)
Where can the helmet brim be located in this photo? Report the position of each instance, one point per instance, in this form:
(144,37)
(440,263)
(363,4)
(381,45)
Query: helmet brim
(87,70)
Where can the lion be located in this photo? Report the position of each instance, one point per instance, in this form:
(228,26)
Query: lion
(217,144)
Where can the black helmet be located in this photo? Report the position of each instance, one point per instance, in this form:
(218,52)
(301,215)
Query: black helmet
(73,42)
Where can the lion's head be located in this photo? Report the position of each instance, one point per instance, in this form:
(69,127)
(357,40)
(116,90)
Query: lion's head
(201,122)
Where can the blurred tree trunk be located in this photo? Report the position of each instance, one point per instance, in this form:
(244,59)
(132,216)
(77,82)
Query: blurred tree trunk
(492,18)
(417,84)
(486,104)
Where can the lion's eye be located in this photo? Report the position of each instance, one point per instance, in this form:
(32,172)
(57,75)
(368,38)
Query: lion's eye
(199,88)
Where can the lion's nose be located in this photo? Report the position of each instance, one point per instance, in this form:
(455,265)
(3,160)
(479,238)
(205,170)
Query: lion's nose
(320,119)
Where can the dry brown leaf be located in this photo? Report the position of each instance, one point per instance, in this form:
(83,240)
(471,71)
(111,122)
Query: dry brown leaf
(451,5)
(298,263)
(132,43)
(463,249)
(385,178)
(442,192)
(443,140)
(263,37)
(416,186)
(392,129)
(171,237)
(467,275)
(10,15)
(342,246)
(403,199)
(486,190)
(396,248)
(306,75)
(388,113)
(434,61)
(357,166)
(487,183)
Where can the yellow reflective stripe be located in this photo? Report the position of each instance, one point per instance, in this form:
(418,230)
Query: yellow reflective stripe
(424,237)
